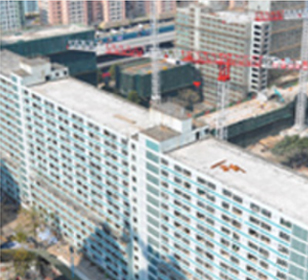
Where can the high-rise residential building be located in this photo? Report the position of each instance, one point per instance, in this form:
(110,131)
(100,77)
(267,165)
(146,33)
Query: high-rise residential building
(95,12)
(30,7)
(63,12)
(145,193)
(163,7)
(215,30)
(114,11)
(135,9)
(12,15)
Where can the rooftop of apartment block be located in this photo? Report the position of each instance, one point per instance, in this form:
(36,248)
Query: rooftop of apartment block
(43,33)
(160,133)
(10,63)
(105,108)
(259,179)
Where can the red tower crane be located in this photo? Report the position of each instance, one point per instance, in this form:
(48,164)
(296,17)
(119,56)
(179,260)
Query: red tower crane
(224,63)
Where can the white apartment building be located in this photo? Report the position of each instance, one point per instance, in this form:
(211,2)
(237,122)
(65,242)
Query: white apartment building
(146,193)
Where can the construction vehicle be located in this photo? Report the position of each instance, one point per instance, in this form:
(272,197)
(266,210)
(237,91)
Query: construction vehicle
(277,93)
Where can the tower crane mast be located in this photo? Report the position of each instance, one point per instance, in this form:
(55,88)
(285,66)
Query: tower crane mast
(300,114)
(156,95)
(224,63)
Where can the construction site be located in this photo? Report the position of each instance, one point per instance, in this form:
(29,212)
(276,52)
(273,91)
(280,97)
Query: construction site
(136,76)
(223,112)
(243,116)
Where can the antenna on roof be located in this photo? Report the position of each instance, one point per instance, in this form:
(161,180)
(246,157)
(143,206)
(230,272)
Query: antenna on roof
(154,56)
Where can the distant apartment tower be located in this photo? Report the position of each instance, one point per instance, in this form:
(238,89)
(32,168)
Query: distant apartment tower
(95,12)
(30,7)
(12,16)
(63,12)
(163,7)
(203,27)
(114,11)
(135,9)
(285,35)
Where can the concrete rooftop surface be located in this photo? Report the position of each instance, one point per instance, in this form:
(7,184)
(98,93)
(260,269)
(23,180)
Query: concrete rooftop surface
(9,62)
(273,185)
(105,108)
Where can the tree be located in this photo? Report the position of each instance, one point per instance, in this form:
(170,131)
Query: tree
(293,150)
(113,71)
(21,235)
(22,261)
(99,78)
(35,219)
(133,97)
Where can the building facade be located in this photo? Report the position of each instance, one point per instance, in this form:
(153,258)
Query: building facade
(199,29)
(285,39)
(30,7)
(164,8)
(63,12)
(95,12)
(12,16)
(145,194)
(114,11)
(229,27)
(135,9)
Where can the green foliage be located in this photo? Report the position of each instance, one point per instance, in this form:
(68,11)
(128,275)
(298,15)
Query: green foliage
(189,95)
(34,216)
(21,235)
(99,77)
(133,97)
(22,259)
(112,71)
(290,144)
(294,150)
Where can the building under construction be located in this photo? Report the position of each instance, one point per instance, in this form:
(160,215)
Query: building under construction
(207,26)
(137,76)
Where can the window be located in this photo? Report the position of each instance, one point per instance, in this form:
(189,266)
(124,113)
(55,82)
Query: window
(152,157)
(266,213)
(237,199)
(153,146)
(284,236)
(285,223)
(226,193)
(178,168)
(254,207)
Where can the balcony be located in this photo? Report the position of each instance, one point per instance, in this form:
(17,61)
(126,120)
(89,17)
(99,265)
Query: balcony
(54,189)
